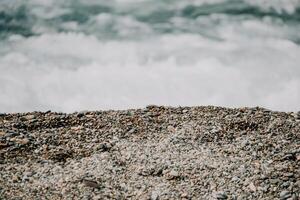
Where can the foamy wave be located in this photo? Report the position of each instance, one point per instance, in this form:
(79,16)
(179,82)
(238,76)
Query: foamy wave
(68,72)
(116,55)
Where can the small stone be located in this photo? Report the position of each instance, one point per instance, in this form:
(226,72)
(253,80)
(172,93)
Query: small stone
(104,147)
(22,141)
(2,133)
(158,171)
(11,134)
(123,186)
(171,129)
(60,155)
(252,187)
(288,175)
(29,117)
(286,184)
(294,197)
(97,197)
(3,145)
(15,178)
(184,195)
(79,115)
(154,195)
(274,181)
(76,128)
(235,178)
(25,178)
(221,195)
(131,131)
(296,115)
(240,198)
(290,156)
(285,195)
(173,174)
(91,183)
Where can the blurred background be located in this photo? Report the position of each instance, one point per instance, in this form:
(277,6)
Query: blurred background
(76,55)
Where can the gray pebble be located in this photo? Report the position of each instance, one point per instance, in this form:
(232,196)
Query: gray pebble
(172,155)
(285,195)
(221,195)
(154,195)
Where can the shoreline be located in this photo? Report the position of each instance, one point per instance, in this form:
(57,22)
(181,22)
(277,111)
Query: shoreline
(156,152)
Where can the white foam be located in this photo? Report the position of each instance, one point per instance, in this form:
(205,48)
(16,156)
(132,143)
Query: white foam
(245,62)
(68,72)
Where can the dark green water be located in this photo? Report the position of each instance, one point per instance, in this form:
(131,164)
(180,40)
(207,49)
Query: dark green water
(25,17)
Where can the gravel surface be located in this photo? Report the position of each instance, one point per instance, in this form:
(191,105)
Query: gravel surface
(152,153)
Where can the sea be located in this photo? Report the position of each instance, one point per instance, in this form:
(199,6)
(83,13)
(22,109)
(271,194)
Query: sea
(80,55)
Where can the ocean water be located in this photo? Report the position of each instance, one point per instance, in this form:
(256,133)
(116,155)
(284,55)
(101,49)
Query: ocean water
(76,55)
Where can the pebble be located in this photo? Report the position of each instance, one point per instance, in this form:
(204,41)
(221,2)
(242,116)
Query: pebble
(274,181)
(173,174)
(22,141)
(91,183)
(211,150)
(104,147)
(15,178)
(252,187)
(221,195)
(2,133)
(29,117)
(285,195)
(154,195)
(11,134)
(184,195)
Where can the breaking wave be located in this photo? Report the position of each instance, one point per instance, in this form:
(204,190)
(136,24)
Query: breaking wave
(87,55)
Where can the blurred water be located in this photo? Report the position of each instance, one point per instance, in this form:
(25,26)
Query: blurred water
(88,54)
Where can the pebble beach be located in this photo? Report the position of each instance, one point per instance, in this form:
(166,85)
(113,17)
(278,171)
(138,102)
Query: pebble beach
(152,153)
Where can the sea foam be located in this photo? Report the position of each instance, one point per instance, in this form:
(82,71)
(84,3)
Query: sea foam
(116,59)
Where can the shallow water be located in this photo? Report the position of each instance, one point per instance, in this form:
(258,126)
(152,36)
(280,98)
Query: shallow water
(87,55)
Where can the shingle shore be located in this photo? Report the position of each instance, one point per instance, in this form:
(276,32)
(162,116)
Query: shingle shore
(151,153)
